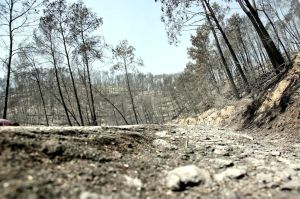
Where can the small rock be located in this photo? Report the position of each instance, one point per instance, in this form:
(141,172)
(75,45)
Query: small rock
(207,138)
(173,131)
(185,157)
(163,155)
(117,154)
(275,153)
(206,175)
(273,185)
(222,163)
(224,151)
(189,151)
(29,177)
(256,162)
(133,182)
(229,194)
(163,145)
(182,177)
(264,177)
(162,134)
(296,167)
(89,195)
(284,160)
(174,182)
(242,156)
(286,174)
(231,173)
(291,185)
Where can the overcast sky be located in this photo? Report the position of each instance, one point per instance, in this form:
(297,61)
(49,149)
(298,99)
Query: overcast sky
(138,21)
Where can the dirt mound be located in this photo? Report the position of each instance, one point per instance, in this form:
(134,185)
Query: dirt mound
(277,107)
(214,117)
(35,160)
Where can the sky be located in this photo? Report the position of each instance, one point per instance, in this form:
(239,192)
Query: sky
(139,22)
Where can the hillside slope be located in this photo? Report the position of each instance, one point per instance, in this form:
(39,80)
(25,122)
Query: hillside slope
(276,106)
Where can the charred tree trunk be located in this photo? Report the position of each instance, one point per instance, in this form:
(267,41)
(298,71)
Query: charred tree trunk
(224,63)
(234,57)
(58,81)
(130,93)
(277,35)
(71,75)
(86,61)
(68,99)
(113,105)
(273,52)
(37,78)
(9,63)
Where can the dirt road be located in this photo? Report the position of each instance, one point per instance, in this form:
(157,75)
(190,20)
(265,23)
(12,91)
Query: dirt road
(146,162)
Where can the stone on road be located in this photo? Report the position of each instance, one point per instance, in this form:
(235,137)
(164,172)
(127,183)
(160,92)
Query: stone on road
(184,176)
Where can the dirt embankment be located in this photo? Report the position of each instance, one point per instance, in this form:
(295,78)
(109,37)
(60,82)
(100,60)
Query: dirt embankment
(225,117)
(276,107)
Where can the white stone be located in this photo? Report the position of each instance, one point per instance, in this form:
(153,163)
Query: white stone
(284,160)
(162,134)
(163,145)
(221,150)
(89,195)
(296,167)
(229,194)
(275,153)
(286,174)
(231,173)
(221,163)
(264,177)
(255,161)
(183,176)
(173,182)
(133,182)
(291,185)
